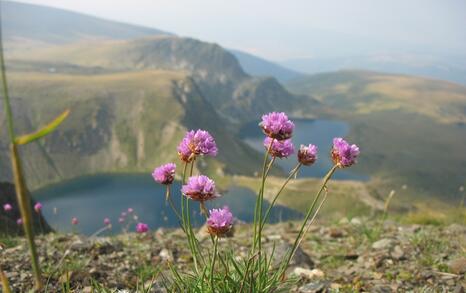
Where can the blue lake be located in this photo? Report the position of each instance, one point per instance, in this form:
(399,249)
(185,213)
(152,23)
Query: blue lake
(319,132)
(92,198)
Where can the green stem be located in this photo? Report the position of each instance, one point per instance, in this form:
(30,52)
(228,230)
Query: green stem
(23,199)
(25,209)
(5,283)
(183,198)
(258,240)
(260,198)
(212,266)
(293,172)
(308,215)
(168,198)
(186,222)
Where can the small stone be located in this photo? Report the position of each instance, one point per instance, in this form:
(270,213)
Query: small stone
(356,221)
(300,258)
(383,244)
(166,255)
(343,221)
(397,253)
(308,274)
(459,289)
(336,233)
(274,237)
(457,266)
(313,287)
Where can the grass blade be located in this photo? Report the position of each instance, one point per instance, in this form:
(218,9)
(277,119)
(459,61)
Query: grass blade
(25,139)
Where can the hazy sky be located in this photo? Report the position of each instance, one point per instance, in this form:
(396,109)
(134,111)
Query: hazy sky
(289,29)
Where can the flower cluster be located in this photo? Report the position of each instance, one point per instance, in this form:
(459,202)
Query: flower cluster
(194,143)
(277,125)
(38,207)
(220,221)
(344,154)
(279,148)
(278,130)
(307,155)
(200,188)
(164,174)
(7,207)
(142,227)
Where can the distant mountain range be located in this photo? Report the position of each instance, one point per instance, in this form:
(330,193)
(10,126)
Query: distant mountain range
(134,91)
(451,68)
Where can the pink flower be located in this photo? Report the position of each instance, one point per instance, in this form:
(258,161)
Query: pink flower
(121,220)
(279,148)
(307,155)
(164,174)
(220,221)
(7,207)
(344,154)
(123,214)
(200,188)
(38,207)
(19,221)
(277,125)
(74,221)
(142,228)
(107,222)
(198,142)
(130,210)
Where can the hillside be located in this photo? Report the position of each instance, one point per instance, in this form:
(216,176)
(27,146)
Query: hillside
(220,78)
(411,130)
(119,122)
(257,66)
(27,22)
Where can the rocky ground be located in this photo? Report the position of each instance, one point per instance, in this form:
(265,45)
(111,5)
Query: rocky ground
(349,256)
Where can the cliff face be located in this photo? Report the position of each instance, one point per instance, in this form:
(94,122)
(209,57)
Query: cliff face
(8,219)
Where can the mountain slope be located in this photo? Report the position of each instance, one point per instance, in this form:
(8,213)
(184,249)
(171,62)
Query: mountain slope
(51,25)
(120,122)
(257,66)
(220,78)
(411,130)
(368,92)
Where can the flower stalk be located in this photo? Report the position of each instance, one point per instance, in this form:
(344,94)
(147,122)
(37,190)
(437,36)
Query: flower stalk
(301,233)
(5,283)
(20,187)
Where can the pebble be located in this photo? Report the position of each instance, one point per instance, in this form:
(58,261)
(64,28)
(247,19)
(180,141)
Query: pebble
(457,266)
(166,255)
(397,253)
(313,287)
(308,274)
(383,244)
